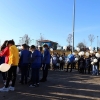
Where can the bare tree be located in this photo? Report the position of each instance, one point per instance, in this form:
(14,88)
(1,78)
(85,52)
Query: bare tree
(81,45)
(41,37)
(84,42)
(25,39)
(69,39)
(91,38)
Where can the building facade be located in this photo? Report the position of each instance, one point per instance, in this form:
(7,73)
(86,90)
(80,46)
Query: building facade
(51,44)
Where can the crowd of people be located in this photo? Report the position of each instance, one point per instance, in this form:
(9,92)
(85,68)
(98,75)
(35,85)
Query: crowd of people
(31,59)
(83,63)
(27,58)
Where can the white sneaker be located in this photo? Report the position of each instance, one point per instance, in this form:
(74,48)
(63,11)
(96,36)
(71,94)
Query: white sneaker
(4,83)
(9,83)
(4,89)
(11,88)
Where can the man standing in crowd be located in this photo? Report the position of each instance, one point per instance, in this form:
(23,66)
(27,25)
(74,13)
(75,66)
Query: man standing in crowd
(13,61)
(46,63)
(24,62)
(35,65)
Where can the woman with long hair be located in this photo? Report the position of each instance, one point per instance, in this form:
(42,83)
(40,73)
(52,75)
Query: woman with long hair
(3,59)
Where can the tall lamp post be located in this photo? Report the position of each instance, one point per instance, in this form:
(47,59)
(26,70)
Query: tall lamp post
(73,26)
(97,43)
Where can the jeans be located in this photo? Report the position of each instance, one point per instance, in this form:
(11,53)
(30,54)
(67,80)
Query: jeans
(95,69)
(35,75)
(24,72)
(11,76)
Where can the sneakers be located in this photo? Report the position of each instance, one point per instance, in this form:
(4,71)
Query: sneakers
(11,88)
(34,85)
(7,89)
(9,83)
(4,89)
(37,84)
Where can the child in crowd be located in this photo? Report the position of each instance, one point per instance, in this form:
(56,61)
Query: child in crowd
(24,63)
(81,64)
(54,61)
(4,57)
(87,64)
(35,65)
(13,61)
(62,61)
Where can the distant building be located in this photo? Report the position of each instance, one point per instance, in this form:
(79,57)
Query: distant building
(50,43)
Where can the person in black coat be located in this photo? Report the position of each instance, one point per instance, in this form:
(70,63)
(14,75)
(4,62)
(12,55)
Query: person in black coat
(81,64)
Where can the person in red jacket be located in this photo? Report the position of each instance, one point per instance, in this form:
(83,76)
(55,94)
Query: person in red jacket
(3,56)
(5,51)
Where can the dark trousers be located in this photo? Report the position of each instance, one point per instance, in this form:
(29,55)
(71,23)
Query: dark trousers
(35,75)
(54,66)
(89,68)
(45,71)
(82,70)
(61,66)
(28,72)
(69,65)
(4,75)
(24,72)
(11,75)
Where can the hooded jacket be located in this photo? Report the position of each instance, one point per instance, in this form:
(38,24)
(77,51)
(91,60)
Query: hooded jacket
(36,59)
(25,56)
(46,57)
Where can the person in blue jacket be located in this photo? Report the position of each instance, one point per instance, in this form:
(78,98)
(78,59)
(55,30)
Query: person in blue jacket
(35,65)
(46,63)
(40,49)
(24,62)
(71,59)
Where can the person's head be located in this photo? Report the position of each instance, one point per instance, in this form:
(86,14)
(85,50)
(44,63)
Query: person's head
(24,46)
(11,42)
(4,45)
(28,47)
(45,46)
(40,49)
(32,47)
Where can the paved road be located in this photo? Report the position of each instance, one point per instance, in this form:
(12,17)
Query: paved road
(60,86)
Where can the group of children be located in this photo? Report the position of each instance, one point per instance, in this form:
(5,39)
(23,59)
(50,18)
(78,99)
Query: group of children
(28,58)
(58,61)
(33,58)
(83,63)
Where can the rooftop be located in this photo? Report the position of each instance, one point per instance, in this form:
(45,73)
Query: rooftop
(47,41)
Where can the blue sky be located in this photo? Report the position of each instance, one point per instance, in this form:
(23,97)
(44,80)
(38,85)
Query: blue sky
(52,18)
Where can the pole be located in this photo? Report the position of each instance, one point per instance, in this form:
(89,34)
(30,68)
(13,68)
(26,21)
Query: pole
(97,43)
(73,25)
